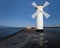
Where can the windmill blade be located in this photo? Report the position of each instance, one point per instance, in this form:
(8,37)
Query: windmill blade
(46,14)
(34,15)
(46,4)
(34,4)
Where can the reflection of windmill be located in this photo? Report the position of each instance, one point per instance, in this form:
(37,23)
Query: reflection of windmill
(39,15)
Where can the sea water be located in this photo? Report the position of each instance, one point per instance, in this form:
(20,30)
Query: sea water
(4,32)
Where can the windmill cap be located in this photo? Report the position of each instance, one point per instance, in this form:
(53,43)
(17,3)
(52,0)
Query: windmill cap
(40,7)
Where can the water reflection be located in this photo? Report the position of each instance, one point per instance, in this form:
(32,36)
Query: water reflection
(37,41)
(43,41)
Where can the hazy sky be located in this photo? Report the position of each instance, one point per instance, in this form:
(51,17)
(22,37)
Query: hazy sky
(18,13)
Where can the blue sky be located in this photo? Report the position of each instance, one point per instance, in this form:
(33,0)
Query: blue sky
(17,13)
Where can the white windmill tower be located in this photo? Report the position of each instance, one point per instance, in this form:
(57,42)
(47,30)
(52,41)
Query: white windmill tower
(39,15)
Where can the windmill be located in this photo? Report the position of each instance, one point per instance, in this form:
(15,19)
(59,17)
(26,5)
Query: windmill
(39,15)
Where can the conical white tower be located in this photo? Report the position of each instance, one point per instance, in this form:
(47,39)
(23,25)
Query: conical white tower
(39,18)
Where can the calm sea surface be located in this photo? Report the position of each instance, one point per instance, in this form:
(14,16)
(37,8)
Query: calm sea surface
(6,32)
(52,32)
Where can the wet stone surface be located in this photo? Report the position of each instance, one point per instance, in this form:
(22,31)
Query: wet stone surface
(31,40)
